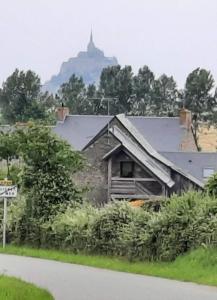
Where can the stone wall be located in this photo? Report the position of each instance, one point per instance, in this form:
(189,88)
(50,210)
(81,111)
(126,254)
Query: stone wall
(94,177)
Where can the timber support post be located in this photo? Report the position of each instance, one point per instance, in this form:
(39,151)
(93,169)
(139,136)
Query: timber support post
(109,178)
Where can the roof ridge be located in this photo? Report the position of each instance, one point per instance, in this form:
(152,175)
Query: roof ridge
(152,117)
(127,116)
(90,116)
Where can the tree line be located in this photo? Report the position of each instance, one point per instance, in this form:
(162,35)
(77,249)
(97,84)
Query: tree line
(119,91)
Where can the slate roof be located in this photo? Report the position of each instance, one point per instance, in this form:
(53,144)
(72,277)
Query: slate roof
(193,162)
(163,133)
(78,130)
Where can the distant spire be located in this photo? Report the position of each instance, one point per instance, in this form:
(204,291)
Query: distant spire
(91,36)
(91,45)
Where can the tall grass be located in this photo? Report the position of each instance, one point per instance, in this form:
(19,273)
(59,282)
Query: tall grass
(13,288)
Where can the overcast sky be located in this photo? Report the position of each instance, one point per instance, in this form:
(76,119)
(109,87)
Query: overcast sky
(170,36)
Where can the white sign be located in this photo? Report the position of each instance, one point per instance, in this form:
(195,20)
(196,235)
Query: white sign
(9,191)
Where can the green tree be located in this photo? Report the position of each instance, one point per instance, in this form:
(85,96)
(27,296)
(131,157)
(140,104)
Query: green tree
(73,94)
(164,96)
(20,97)
(116,83)
(198,92)
(142,92)
(93,104)
(198,97)
(49,164)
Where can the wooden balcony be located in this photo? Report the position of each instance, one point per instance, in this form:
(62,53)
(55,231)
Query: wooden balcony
(132,188)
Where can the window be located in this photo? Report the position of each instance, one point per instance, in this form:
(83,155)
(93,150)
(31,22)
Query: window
(207,172)
(127,169)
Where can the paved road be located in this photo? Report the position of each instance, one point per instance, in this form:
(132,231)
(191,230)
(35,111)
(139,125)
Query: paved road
(74,282)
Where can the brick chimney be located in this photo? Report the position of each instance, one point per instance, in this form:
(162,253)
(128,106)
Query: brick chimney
(61,113)
(185,118)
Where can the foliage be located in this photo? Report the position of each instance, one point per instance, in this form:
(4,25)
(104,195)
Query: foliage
(143,83)
(118,91)
(49,163)
(8,149)
(116,84)
(135,236)
(165,97)
(20,97)
(142,94)
(16,227)
(46,179)
(211,185)
(107,227)
(199,98)
(199,84)
(71,229)
(183,223)
(72,94)
(42,149)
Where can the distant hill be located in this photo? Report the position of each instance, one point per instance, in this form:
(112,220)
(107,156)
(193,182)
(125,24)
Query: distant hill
(88,64)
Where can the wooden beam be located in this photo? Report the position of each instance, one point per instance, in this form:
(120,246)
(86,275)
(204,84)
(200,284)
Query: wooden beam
(109,178)
(164,191)
(134,179)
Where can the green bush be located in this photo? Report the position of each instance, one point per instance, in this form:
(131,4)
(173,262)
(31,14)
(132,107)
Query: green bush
(71,229)
(106,230)
(15,222)
(211,185)
(183,223)
(134,236)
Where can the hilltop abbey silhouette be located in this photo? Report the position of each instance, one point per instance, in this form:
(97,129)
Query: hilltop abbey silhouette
(87,64)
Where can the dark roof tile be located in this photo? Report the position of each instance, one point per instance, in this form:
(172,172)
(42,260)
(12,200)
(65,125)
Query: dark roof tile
(164,134)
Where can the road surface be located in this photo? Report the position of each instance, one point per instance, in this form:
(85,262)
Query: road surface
(74,282)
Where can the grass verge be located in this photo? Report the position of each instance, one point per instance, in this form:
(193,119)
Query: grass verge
(199,266)
(15,289)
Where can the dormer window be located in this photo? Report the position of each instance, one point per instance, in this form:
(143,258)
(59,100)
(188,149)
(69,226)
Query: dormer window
(207,172)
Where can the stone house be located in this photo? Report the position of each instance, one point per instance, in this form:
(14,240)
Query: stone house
(135,157)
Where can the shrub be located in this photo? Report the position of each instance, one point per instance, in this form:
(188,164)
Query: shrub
(107,227)
(71,229)
(134,236)
(211,185)
(15,221)
(182,224)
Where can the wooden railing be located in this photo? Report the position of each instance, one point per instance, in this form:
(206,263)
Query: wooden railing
(129,186)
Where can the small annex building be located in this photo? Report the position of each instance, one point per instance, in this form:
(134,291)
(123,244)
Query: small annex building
(136,157)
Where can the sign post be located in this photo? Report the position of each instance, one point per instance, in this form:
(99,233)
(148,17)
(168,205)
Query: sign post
(4,222)
(7,190)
